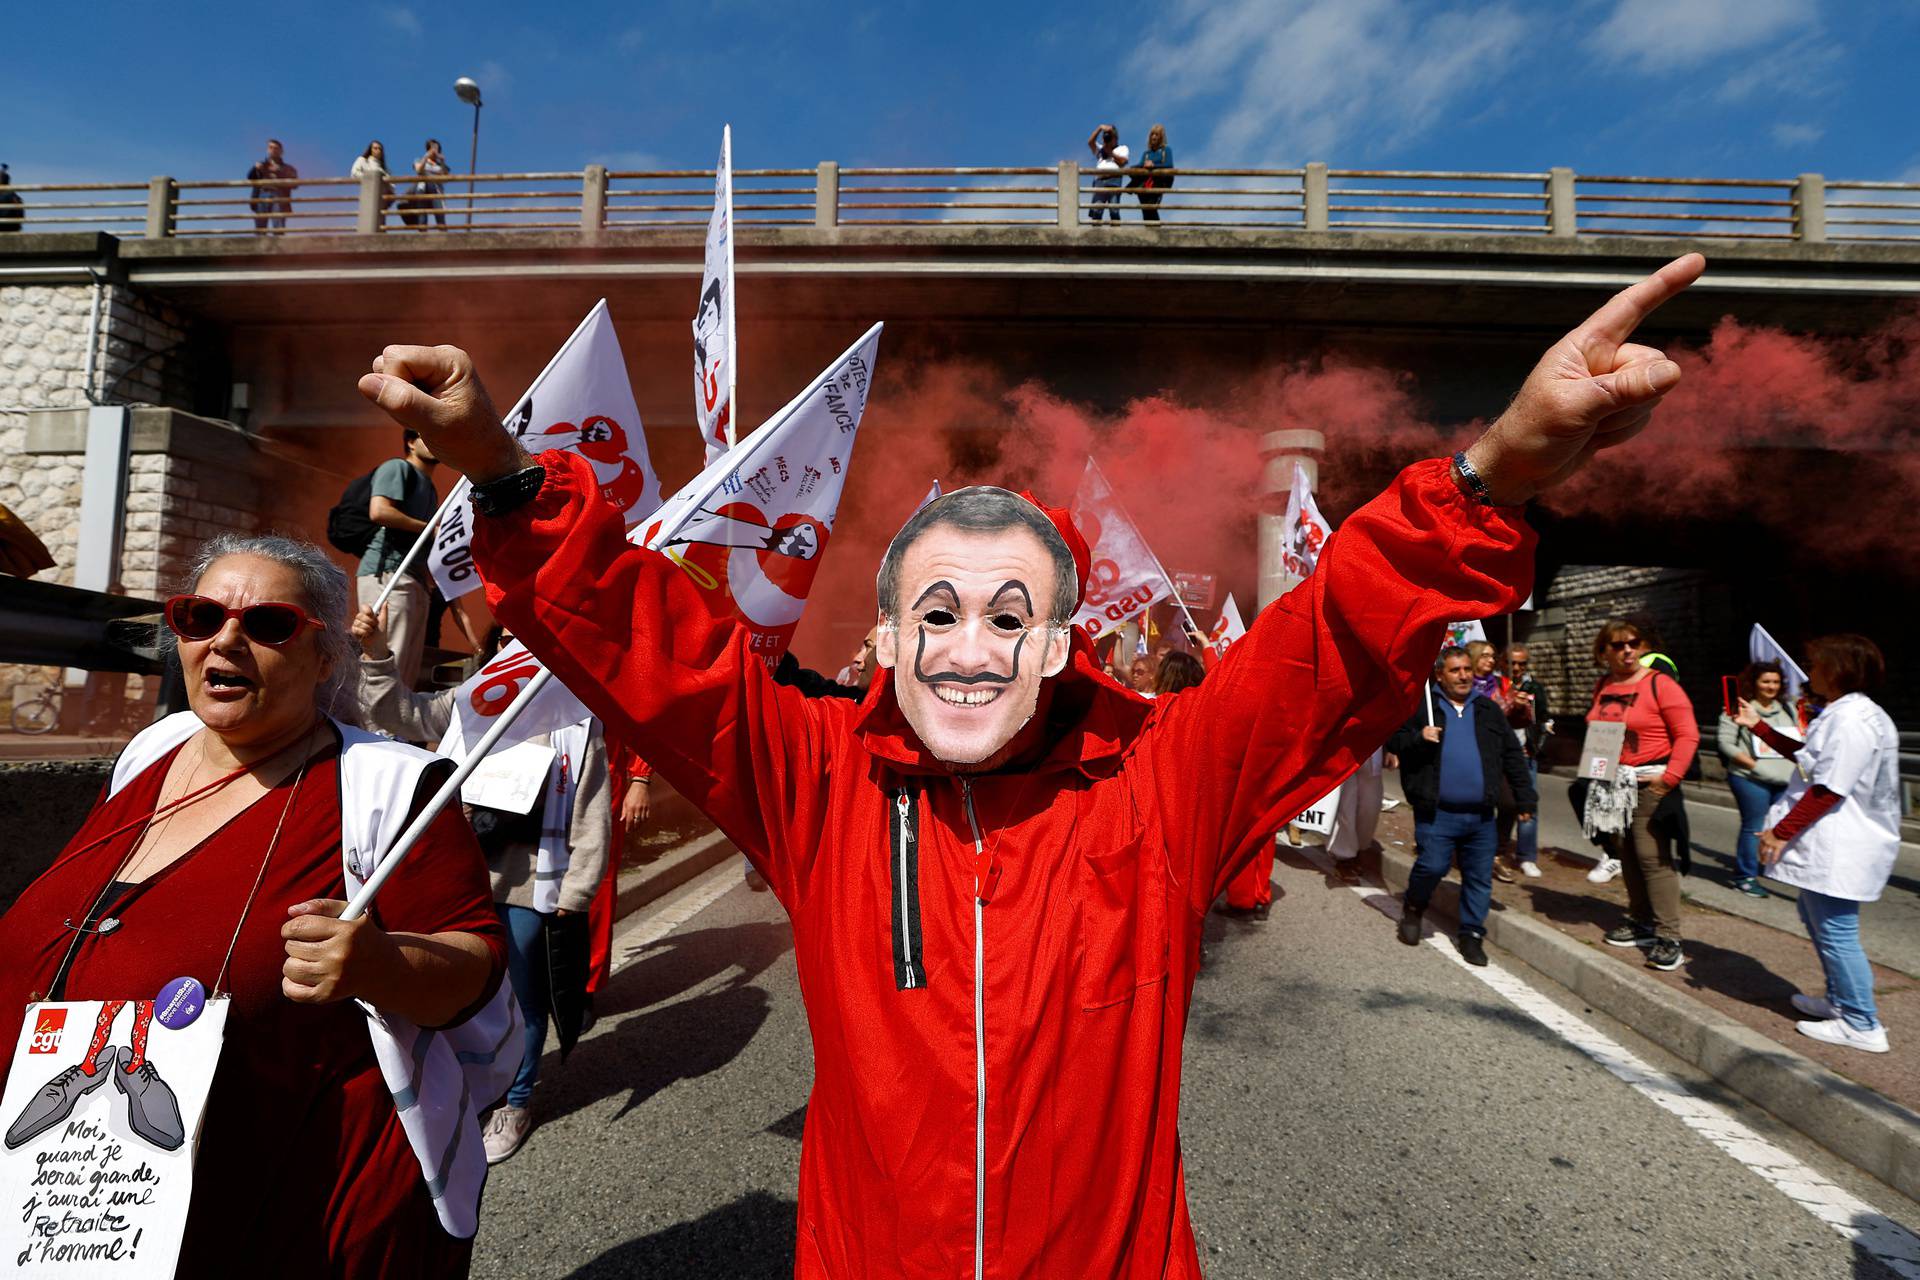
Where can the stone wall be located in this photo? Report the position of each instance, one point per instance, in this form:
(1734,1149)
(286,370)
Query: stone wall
(43,366)
(1692,610)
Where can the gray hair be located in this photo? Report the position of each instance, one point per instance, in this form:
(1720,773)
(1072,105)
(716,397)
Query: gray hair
(982,509)
(1448,654)
(324,594)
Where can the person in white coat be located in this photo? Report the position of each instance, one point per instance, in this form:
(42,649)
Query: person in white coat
(1835,834)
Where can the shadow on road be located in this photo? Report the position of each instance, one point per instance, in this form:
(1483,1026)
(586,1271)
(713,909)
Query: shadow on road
(752,1239)
(668,1039)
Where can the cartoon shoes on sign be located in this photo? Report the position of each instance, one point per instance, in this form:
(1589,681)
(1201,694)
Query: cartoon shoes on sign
(53,1104)
(152,1111)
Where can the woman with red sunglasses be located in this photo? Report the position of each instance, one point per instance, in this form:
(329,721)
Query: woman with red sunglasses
(223,852)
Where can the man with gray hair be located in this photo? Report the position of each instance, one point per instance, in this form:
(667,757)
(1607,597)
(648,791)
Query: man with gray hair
(999,862)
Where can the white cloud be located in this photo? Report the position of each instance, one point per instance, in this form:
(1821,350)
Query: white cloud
(630,39)
(401,19)
(1797,135)
(1305,76)
(1665,35)
(493,77)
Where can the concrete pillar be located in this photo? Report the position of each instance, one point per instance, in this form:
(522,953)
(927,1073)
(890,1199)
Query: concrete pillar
(160,198)
(1280,451)
(1810,209)
(593,202)
(1562,210)
(1069,196)
(370,214)
(826,194)
(1313,187)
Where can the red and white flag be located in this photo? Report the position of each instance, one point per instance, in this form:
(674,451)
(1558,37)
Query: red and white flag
(583,402)
(714,372)
(1303,531)
(1227,628)
(751,528)
(1124,577)
(1762,647)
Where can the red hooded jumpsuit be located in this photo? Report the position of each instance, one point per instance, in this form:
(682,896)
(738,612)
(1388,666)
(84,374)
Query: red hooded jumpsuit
(997,969)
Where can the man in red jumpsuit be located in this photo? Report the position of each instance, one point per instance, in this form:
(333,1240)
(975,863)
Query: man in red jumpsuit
(998,864)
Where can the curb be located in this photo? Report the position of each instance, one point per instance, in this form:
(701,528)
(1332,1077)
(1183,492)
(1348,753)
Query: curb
(1872,1132)
(639,886)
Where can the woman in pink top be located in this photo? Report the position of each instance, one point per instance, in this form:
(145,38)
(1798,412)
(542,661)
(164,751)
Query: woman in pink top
(1661,739)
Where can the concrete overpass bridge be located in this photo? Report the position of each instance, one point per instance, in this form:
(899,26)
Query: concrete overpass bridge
(166,293)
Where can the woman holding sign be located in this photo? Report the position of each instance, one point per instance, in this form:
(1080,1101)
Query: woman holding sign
(1633,811)
(199,907)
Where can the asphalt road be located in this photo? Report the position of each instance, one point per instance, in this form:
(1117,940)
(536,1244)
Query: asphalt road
(1890,927)
(1352,1108)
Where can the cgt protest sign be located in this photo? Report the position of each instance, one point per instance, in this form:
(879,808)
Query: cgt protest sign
(1124,577)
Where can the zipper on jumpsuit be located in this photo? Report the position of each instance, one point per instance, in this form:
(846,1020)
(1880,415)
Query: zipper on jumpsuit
(979,1048)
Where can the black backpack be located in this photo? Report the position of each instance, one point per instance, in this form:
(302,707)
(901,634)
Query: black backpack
(348,527)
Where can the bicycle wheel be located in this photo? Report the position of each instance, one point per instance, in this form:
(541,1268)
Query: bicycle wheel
(38,715)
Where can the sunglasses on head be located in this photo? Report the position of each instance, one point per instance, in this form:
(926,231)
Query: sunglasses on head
(271,623)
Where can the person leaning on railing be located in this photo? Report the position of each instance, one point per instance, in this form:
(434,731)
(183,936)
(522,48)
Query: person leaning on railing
(1151,187)
(10,202)
(1835,834)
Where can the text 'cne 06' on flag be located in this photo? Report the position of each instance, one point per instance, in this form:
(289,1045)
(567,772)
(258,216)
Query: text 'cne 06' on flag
(583,402)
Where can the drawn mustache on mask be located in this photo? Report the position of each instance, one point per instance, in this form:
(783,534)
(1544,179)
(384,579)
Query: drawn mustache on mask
(954,677)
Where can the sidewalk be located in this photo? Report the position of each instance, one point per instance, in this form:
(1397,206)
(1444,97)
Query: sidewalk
(1726,1009)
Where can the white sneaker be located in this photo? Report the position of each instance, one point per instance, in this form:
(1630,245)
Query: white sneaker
(506,1132)
(1531,870)
(1604,870)
(1837,1031)
(1818,1008)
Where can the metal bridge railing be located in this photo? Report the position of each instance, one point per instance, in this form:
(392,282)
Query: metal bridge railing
(1316,198)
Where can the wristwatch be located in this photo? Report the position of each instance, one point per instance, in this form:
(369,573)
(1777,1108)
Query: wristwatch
(509,492)
(1469,480)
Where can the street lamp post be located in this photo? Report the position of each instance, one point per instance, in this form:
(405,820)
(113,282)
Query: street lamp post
(469,92)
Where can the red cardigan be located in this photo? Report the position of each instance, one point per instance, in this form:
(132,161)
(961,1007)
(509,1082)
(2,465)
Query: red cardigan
(997,969)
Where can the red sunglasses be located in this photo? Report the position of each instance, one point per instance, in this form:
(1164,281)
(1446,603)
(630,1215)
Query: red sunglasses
(271,623)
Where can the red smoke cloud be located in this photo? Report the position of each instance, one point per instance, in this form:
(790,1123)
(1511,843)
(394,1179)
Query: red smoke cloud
(1756,407)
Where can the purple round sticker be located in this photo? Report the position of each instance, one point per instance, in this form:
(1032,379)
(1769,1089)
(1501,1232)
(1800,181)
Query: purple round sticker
(179,1003)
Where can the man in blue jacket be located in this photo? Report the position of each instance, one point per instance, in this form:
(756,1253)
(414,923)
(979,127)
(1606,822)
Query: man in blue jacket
(1452,753)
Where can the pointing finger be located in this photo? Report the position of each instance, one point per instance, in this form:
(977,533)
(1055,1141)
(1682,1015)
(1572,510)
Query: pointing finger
(1614,323)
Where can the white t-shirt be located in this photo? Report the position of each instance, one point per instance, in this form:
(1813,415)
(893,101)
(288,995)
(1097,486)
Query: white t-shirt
(1853,751)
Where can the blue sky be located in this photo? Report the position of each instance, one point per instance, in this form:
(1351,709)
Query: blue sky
(1736,88)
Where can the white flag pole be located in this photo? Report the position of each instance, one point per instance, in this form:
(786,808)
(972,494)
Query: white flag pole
(733,321)
(420,544)
(1426,696)
(447,793)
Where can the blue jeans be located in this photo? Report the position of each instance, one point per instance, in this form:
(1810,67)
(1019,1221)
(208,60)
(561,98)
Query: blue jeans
(1470,837)
(1526,835)
(1834,926)
(1754,799)
(527,971)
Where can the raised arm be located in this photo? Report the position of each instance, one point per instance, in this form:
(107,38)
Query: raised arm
(1327,671)
(623,627)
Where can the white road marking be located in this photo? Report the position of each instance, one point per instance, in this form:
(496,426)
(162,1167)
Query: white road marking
(1855,1219)
(673,911)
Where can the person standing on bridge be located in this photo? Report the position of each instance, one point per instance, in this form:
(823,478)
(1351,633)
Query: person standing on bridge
(1109,158)
(998,864)
(272,204)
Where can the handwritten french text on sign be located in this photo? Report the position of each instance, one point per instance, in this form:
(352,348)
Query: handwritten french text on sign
(1196,589)
(510,780)
(581,402)
(1600,753)
(1124,577)
(97,1168)
(1319,816)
